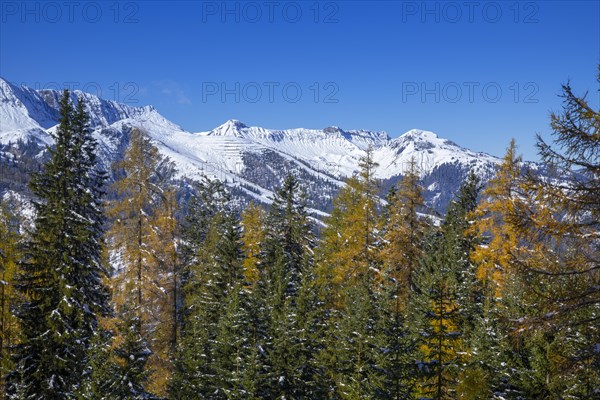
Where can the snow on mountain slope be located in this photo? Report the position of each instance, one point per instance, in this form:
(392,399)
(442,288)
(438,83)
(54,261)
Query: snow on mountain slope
(252,159)
(22,115)
(26,110)
(337,151)
(428,151)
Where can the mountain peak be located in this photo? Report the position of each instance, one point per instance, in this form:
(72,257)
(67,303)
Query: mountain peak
(415,134)
(231,127)
(333,129)
(236,123)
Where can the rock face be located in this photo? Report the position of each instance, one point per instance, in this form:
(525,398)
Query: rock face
(252,160)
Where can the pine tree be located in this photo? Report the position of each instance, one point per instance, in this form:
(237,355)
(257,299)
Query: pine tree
(446,298)
(62,269)
(395,351)
(350,358)
(131,353)
(285,265)
(436,312)
(211,361)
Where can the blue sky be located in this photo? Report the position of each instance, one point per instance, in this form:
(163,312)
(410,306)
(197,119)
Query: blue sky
(478,72)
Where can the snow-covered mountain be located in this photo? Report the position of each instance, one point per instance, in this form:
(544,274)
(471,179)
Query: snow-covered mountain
(252,160)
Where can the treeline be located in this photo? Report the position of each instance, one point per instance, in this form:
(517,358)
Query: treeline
(137,298)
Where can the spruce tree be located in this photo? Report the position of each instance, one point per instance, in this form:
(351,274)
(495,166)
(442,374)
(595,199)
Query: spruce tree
(484,341)
(194,370)
(211,358)
(231,350)
(351,357)
(62,270)
(208,198)
(131,354)
(446,299)
(436,317)
(285,266)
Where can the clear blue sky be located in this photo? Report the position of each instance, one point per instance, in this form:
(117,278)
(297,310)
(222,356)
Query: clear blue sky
(391,65)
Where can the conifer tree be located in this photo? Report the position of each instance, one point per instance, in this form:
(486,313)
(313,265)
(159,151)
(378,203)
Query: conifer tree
(165,257)
(559,225)
(502,285)
(208,199)
(460,241)
(394,352)
(495,258)
(484,341)
(446,298)
(131,353)
(10,238)
(437,315)
(62,270)
(403,230)
(404,233)
(102,377)
(211,358)
(204,287)
(349,243)
(351,356)
(285,267)
(253,219)
(139,192)
(143,237)
(231,346)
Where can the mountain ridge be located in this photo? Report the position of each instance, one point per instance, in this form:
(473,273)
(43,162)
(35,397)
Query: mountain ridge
(252,160)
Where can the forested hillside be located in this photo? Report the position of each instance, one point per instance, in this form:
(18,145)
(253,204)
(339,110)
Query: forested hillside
(134,290)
